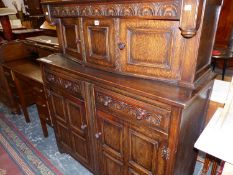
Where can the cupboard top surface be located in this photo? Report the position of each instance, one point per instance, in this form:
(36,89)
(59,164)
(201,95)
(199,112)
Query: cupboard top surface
(155,90)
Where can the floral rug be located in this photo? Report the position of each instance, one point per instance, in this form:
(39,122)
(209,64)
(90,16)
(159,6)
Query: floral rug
(18,156)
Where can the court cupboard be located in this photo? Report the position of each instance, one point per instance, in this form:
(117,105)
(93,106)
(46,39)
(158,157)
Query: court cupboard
(129,91)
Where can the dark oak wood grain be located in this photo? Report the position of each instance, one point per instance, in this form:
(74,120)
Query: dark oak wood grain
(136,75)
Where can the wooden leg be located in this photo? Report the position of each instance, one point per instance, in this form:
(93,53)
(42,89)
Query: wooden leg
(206,165)
(44,128)
(224,68)
(213,64)
(216,163)
(208,160)
(21,99)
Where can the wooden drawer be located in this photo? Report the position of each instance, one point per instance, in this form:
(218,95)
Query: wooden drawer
(63,82)
(133,110)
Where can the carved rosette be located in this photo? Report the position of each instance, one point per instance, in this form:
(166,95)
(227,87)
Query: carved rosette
(168,9)
(134,111)
(68,85)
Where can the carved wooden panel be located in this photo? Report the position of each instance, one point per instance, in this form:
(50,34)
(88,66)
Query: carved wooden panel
(111,134)
(163,9)
(100,42)
(64,83)
(133,110)
(72,42)
(150,48)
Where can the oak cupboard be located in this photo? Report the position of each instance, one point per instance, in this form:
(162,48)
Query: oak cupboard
(128,93)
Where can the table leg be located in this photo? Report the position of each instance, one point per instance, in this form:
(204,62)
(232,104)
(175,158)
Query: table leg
(21,99)
(224,68)
(213,64)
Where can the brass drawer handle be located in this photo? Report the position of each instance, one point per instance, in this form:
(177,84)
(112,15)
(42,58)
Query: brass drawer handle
(121,45)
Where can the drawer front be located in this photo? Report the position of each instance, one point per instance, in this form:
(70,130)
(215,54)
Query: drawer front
(133,110)
(65,83)
(150,48)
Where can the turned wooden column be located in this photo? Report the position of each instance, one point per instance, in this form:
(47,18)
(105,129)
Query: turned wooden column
(5,22)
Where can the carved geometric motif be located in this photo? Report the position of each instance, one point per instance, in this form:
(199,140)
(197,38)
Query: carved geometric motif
(169,9)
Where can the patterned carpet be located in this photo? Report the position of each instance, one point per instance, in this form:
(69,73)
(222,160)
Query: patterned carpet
(47,146)
(18,155)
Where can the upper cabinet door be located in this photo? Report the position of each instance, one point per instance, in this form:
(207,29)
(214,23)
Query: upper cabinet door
(72,42)
(99,36)
(150,48)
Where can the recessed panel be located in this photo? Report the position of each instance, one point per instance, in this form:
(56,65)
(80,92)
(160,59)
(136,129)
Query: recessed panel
(99,42)
(76,114)
(155,54)
(151,48)
(72,41)
(99,37)
(63,134)
(113,135)
(59,108)
(143,152)
(112,166)
(70,36)
(80,147)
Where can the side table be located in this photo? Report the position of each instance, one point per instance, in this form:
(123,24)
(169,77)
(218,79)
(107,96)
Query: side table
(222,54)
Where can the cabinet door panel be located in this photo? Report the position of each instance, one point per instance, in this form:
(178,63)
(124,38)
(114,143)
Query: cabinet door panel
(142,152)
(112,166)
(151,48)
(63,136)
(77,118)
(110,144)
(78,126)
(60,119)
(145,155)
(100,42)
(71,37)
(58,105)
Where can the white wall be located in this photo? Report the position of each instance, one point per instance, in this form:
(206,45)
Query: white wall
(19,4)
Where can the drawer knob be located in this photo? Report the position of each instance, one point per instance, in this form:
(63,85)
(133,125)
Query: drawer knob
(83,126)
(121,45)
(97,135)
(44,105)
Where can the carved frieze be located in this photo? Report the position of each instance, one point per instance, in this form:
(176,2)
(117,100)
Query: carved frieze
(71,87)
(169,9)
(134,111)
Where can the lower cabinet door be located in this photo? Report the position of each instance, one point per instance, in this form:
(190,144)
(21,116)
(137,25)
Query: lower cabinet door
(71,128)
(125,149)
